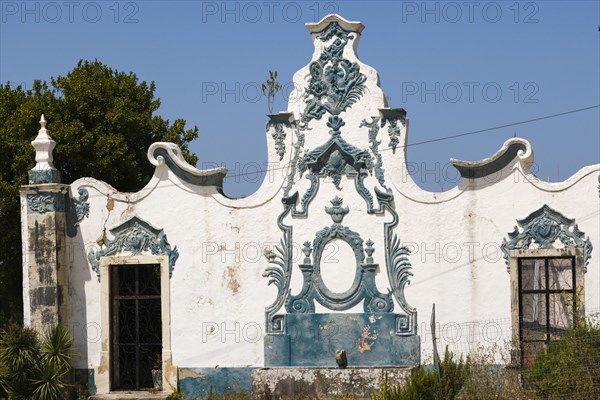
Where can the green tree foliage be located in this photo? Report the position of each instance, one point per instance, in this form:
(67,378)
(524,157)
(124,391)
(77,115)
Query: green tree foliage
(103,122)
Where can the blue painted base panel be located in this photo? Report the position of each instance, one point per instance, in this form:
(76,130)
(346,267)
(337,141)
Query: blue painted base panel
(311,340)
(85,377)
(197,383)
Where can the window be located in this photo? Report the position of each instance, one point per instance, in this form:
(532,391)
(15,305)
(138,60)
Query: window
(547,292)
(547,289)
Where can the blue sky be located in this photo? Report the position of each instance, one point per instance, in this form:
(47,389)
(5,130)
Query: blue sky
(454,66)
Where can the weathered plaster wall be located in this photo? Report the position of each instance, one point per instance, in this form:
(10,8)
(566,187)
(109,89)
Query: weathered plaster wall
(218,292)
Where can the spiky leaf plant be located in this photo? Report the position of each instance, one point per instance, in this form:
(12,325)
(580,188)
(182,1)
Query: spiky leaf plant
(19,355)
(34,370)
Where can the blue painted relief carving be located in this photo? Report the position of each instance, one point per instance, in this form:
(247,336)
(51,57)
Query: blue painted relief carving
(308,195)
(333,159)
(277,122)
(392,117)
(279,136)
(82,207)
(378,165)
(363,287)
(337,212)
(335,167)
(335,82)
(296,166)
(543,228)
(318,158)
(280,272)
(398,265)
(77,210)
(334,85)
(45,202)
(135,237)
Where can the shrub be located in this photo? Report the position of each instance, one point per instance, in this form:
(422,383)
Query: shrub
(491,377)
(177,395)
(33,369)
(427,384)
(570,366)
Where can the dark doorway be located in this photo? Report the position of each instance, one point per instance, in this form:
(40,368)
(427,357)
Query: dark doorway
(136,325)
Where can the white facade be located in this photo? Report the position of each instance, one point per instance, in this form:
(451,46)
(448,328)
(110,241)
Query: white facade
(218,293)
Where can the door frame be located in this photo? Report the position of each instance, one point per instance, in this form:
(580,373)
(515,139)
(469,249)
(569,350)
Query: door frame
(102,372)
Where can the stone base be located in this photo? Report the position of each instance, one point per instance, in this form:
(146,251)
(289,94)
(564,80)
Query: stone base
(294,383)
(130,396)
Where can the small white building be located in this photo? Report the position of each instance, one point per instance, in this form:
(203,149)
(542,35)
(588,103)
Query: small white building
(204,289)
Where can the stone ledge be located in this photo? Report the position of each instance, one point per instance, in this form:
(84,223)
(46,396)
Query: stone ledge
(130,396)
(292,383)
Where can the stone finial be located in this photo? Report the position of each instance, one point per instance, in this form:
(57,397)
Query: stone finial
(44,171)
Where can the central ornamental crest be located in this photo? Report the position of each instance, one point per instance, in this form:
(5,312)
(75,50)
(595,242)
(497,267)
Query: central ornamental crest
(336,164)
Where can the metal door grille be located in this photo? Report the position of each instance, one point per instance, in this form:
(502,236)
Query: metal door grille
(136,325)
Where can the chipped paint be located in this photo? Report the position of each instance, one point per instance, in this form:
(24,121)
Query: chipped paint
(365,337)
(190,373)
(373,319)
(199,382)
(232,282)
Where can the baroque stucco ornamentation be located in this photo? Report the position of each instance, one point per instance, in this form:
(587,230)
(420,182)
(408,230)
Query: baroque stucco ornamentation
(136,237)
(334,85)
(543,228)
(46,202)
(277,122)
(333,159)
(77,210)
(337,212)
(279,273)
(335,167)
(279,135)
(296,167)
(392,117)
(335,82)
(363,287)
(398,267)
(378,165)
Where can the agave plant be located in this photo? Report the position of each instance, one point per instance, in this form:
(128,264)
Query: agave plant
(19,354)
(57,348)
(32,370)
(49,382)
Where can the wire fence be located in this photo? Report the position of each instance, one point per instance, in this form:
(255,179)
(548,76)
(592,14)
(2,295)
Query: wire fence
(564,366)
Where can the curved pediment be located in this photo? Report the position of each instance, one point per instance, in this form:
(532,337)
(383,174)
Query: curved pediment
(512,150)
(169,154)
